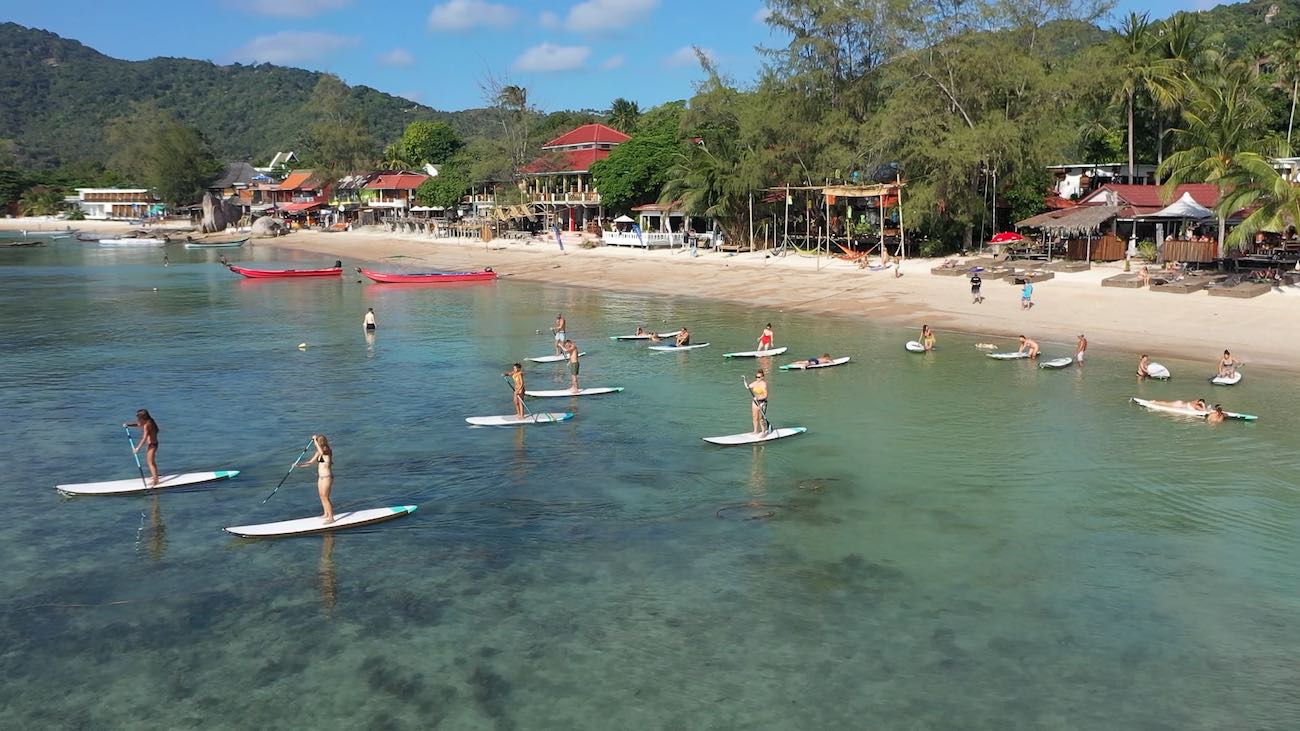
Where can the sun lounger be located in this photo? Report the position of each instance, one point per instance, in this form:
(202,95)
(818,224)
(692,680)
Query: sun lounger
(1123,281)
(1242,290)
(1020,277)
(1186,285)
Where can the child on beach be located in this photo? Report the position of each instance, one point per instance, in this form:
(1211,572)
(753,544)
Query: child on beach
(1027,295)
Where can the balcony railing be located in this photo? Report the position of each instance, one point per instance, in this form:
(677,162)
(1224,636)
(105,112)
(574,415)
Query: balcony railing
(586,196)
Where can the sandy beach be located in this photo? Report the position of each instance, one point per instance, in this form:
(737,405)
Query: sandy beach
(1264,330)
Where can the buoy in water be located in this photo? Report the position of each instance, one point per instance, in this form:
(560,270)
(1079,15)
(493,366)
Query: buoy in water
(302,346)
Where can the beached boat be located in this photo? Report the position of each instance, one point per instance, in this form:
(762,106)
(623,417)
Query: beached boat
(428,277)
(20,244)
(273,273)
(216,244)
(133,242)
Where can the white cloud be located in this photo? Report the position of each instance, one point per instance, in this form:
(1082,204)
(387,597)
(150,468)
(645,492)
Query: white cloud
(762,14)
(613,62)
(291,46)
(591,15)
(290,8)
(548,57)
(685,56)
(397,57)
(466,14)
(548,20)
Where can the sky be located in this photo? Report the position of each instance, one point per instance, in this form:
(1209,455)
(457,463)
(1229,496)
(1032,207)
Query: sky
(571,54)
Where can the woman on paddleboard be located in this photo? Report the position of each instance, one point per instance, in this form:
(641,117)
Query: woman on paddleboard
(766,338)
(149,440)
(516,376)
(324,459)
(758,401)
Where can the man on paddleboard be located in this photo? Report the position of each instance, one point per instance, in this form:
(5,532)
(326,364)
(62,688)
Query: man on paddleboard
(1028,345)
(516,376)
(571,350)
(683,337)
(560,337)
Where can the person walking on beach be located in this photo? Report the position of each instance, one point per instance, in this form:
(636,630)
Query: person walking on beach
(560,337)
(689,238)
(766,339)
(370,319)
(148,440)
(1028,345)
(1228,365)
(758,401)
(324,460)
(1080,349)
(1027,296)
(516,376)
(571,350)
(975,283)
(927,337)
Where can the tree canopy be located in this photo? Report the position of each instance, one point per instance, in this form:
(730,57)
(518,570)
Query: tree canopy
(429,142)
(159,152)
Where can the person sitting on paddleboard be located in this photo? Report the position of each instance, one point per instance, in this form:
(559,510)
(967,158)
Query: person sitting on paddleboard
(1029,345)
(149,440)
(324,459)
(927,337)
(758,401)
(1143,362)
(1228,365)
(683,338)
(819,360)
(370,319)
(640,330)
(516,376)
(765,339)
(571,350)
(560,337)
(1217,416)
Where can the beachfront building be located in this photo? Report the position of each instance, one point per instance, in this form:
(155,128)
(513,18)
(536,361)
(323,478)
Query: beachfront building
(1076,180)
(392,193)
(280,163)
(116,204)
(558,184)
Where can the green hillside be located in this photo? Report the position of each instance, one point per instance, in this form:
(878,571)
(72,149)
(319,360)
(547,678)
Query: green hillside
(56,96)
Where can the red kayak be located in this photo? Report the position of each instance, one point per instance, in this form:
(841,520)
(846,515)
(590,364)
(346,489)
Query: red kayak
(268,273)
(429,277)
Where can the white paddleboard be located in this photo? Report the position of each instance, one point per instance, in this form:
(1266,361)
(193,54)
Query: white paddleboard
(569,392)
(752,438)
(1232,380)
(806,367)
(1009,356)
(914,346)
(135,484)
(552,358)
(1155,370)
(756,353)
(317,524)
(672,334)
(1185,411)
(540,417)
(1056,363)
(666,348)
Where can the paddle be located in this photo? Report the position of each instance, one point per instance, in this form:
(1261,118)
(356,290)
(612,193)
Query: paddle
(136,455)
(762,408)
(296,460)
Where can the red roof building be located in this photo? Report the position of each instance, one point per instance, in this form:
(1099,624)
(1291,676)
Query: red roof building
(1143,200)
(392,189)
(559,181)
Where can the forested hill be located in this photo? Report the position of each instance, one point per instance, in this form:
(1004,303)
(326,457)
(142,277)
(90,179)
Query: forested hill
(56,95)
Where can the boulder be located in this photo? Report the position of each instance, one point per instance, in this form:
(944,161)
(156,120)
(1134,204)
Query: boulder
(214,214)
(267,227)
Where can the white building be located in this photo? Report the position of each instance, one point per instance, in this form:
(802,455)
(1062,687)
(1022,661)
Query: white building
(1074,181)
(118,204)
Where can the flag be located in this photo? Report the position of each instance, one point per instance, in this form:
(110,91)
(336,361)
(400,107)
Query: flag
(558,239)
(637,230)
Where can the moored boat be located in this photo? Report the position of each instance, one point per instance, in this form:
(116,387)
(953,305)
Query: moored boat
(428,277)
(216,244)
(133,242)
(273,273)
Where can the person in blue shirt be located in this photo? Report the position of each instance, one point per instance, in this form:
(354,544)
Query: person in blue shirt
(1026,295)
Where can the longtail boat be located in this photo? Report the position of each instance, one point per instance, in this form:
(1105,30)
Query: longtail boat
(273,273)
(216,244)
(428,277)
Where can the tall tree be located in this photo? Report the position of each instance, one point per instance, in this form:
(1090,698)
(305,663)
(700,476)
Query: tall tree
(430,142)
(339,140)
(623,115)
(514,115)
(158,151)
(1142,71)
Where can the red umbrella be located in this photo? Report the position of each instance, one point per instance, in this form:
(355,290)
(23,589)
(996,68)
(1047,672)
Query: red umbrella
(1006,237)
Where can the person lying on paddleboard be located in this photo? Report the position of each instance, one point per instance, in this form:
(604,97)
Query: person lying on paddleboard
(927,337)
(571,350)
(1228,365)
(149,440)
(683,337)
(1216,416)
(767,337)
(560,337)
(758,401)
(819,360)
(516,376)
(1197,404)
(1028,345)
(1143,362)
(324,460)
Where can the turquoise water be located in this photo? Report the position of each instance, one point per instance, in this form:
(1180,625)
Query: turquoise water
(957,543)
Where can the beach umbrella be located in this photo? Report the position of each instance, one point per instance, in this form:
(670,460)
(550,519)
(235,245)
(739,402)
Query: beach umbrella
(624,219)
(1006,237)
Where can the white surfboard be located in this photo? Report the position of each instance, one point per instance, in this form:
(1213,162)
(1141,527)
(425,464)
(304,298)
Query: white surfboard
(667,348)
(135,484)
(317,524)
(914,346)
(1056,363)
(1186,411)
(1155,370)
(1008,356)
(541,417)
(752,438)
(1232,380)
(756,353)
(672,334)
(569,392)
(552,358)
(806,367)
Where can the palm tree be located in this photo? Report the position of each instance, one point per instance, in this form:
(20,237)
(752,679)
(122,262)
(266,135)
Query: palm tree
(1142,70)
(1221,140)
(1286,57)
(623,115)
(714,179)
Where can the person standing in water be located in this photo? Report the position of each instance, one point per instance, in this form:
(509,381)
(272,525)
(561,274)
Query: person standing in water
(571,350)
(1143,362)
(1080,349)
(324,459)
(370,319)
(560,336)
(758,401)
(927,337)
(766,339)
(516,376)
(148,440)
(1217,416)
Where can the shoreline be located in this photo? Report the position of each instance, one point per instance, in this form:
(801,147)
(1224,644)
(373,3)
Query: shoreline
(1263,331)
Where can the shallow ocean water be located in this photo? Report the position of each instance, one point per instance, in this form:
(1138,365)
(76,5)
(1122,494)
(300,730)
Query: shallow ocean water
(957,543)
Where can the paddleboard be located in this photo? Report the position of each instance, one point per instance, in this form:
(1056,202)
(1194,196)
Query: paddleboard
(1155,370)
(135,484)
(552,358)
(1009,356)
(665,348)
(914,347)
(569,392)
(756,353)
(512,420)
(1056,363)
(806,367)
(752,438)
(672,334)
(316,524)
(1232,380)
(1183,411)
